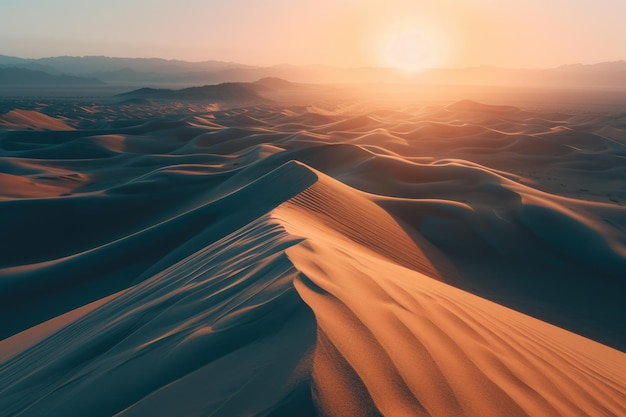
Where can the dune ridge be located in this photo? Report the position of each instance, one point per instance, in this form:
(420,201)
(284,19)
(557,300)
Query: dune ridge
(313,260)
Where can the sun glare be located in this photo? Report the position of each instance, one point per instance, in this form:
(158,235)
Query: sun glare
(412,46)
(410,50)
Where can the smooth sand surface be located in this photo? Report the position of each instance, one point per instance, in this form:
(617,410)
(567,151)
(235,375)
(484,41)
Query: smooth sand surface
(344,258)
(26,119)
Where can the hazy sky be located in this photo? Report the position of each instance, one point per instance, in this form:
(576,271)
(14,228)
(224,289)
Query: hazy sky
(404,33)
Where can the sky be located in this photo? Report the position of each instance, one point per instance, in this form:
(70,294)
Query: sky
(398,33)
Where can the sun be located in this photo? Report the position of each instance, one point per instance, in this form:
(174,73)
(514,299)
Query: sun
(409,50)
(412,43)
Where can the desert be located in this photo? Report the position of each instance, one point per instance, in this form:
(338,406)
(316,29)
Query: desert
(296,250)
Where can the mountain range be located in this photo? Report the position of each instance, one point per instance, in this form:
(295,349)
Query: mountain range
(15,76)
(157,72)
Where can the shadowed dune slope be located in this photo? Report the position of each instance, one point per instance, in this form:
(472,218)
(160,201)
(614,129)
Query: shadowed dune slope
(202,337)
(224,310)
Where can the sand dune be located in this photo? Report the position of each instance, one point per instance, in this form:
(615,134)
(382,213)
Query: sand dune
(335,259)
(402,344)
(21,119)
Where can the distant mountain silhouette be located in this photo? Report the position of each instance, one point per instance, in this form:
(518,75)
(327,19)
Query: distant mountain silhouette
(13,76)
(614,66)
(128,71)
(93,64)
(174,74)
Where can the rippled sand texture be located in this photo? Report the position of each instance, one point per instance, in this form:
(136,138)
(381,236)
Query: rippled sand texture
(349,260)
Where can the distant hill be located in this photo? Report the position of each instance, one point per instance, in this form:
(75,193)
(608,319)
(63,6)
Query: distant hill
(274,83)
(34,66)
(614,66)
(12,76)
(562,77)
(220,92)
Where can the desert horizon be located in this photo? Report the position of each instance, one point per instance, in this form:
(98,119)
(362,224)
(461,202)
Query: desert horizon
(99,70)
(423,213)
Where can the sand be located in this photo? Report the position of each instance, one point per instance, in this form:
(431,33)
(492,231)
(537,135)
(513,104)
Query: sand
(341,258)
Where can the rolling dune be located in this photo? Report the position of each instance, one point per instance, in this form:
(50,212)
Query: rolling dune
(337,259)
(25,119)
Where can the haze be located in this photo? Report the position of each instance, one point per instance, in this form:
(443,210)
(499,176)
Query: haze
(398,33)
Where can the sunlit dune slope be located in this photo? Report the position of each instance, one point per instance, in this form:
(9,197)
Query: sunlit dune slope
(396,342)
(20,119)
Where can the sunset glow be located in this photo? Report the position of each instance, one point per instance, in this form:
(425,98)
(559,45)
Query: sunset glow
(410,51)
(400,33)
(411,44)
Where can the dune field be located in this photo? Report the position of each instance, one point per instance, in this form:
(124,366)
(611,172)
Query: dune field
(323,257)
